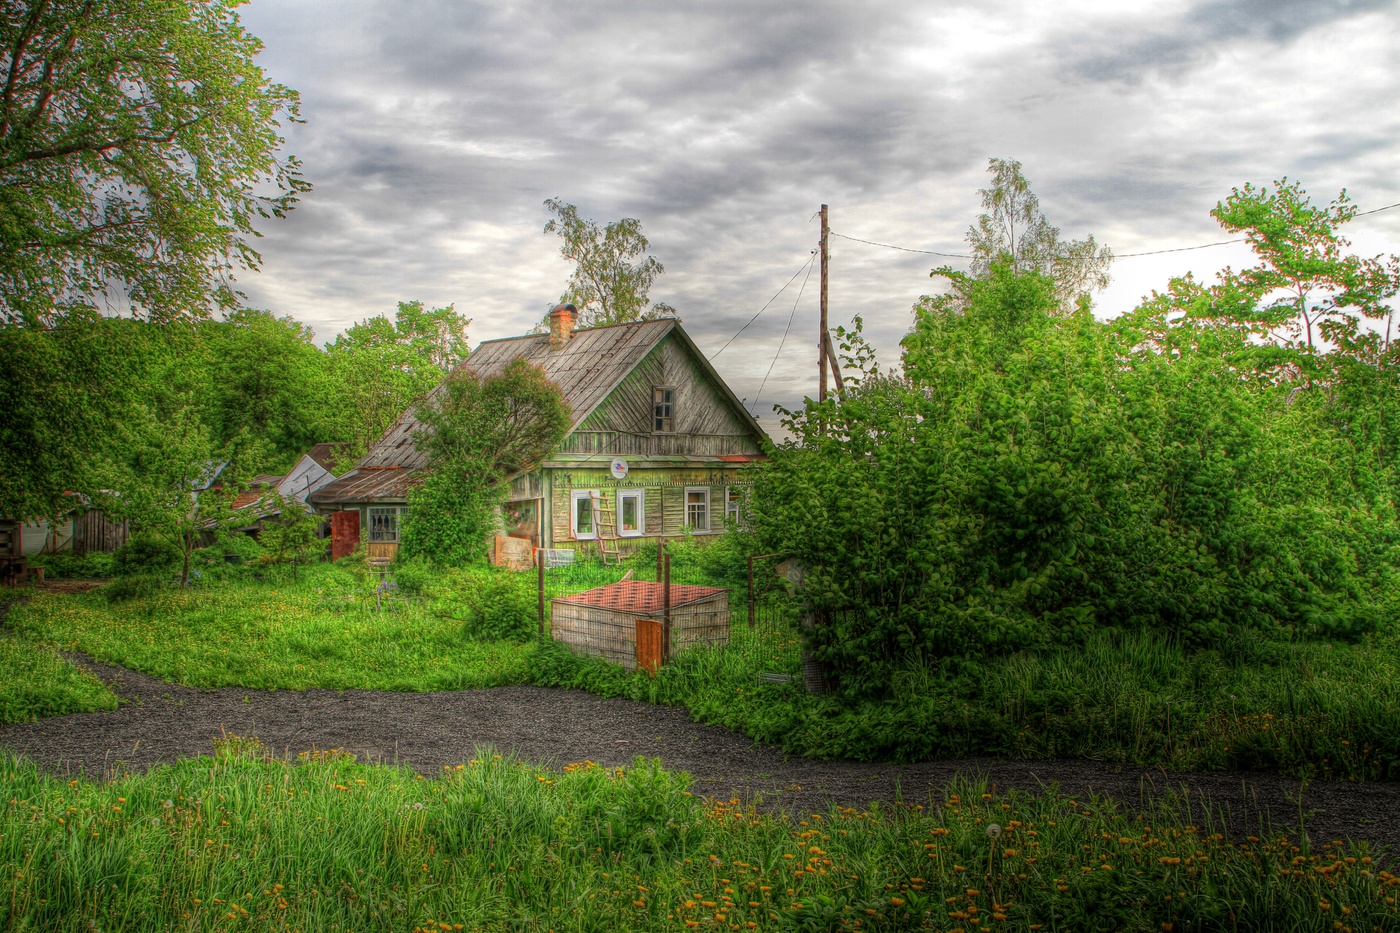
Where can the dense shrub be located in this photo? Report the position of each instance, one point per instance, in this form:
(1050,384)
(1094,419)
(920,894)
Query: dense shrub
(1035,477)
(491,603)
(67,565)
(134,586)
(145,554)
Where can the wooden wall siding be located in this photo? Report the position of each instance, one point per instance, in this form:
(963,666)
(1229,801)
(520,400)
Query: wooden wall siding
(92,533)
(611,634)
(698,407)
(615,444)
(526,486)
(664,500)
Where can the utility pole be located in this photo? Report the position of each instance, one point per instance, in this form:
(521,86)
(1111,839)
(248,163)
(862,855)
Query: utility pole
(823,341)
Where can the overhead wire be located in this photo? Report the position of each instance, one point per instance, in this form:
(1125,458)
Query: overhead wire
(807,265)
(758,398)
(1155,252)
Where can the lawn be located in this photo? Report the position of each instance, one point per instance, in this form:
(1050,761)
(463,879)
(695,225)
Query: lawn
(246,842)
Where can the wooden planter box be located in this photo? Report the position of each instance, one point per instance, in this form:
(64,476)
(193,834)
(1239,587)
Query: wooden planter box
(603,621)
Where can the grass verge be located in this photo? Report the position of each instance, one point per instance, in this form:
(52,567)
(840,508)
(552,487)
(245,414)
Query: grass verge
(241,841)
(36,683)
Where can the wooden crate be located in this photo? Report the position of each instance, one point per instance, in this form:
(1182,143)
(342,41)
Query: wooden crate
(603,621)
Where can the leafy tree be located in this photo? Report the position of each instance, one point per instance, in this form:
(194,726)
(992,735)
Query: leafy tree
(289,535)
(607,286)
(1304,290)
(381,367)
(1013,226)
(165,483)
(264,376)
(477,433)
(136,139)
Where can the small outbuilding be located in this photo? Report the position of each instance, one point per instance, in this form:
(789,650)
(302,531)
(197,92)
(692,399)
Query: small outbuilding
(604,621)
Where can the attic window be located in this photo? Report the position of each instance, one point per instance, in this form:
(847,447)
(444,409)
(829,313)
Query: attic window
(661,411)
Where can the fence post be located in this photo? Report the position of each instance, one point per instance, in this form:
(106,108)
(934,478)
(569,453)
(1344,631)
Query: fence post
(539,559)
(660,556)
(666,610)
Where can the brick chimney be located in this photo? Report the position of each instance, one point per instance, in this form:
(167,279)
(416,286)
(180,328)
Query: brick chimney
(561,325)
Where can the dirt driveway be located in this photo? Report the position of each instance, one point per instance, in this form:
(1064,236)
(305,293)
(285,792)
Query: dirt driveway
(163,722)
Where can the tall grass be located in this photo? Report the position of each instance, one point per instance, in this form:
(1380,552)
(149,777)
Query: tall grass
(241,841)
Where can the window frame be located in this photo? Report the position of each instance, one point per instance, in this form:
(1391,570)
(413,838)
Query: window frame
(695,529)
(734,505)
(575,497)
(640,496)
(669,402)
(394,512)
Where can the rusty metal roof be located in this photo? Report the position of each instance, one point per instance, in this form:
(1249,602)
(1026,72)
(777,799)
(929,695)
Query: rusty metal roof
(639,596)
(362,484)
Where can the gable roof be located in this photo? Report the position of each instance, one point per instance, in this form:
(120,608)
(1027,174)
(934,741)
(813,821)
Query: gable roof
(586,370)
(328,455)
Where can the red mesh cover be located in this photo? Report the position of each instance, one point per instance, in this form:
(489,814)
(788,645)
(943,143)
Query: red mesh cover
(639,596)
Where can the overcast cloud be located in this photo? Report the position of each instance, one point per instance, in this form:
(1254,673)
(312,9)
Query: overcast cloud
(435,130)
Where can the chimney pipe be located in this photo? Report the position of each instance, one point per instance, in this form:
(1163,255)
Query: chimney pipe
(561,325)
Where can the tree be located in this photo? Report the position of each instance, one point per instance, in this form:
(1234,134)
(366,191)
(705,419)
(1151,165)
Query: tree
(138,145)
(607,286)
(1304,290)
(381,367)
(165,483)
(289,535)
(1012,225)
(477,433)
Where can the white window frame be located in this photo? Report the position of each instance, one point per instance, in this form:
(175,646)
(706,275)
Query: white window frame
(696,529)
(733,504)
(575,496)
(395,512)
(640,496)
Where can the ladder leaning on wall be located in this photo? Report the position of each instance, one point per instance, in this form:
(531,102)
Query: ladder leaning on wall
(605,529)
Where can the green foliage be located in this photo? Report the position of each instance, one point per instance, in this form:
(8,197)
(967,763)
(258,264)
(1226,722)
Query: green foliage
(138,146)
(1034,478)
(145,554)
(491,603)
(477,432)
(416,576)
(135,586)
(289,536)
(1012,229)
(66,565)
(607,286)
(379,368)
(38,683)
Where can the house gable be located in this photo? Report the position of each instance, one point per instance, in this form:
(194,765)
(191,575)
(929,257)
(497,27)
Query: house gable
(707,420)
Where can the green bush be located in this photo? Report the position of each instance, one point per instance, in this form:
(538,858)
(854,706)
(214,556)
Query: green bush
(67,565)
(493,603)
(416,576)
(145,554)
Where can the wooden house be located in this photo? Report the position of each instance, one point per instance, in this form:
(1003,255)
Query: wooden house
(658,445)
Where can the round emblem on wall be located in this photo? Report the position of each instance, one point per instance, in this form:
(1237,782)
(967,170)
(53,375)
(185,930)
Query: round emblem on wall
(619,468)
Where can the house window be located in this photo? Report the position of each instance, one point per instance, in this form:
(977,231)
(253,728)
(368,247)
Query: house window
(383,524)
(581,514)
(697,508)
(733,497)
(661,411)
(631,516)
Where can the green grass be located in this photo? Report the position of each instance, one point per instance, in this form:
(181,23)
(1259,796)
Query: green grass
(241,841)
(36,682)
(1309,709)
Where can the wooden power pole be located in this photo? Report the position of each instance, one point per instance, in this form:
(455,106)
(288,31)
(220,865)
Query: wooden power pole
(823,341)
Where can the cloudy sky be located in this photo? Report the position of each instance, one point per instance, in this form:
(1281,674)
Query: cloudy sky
(435,130)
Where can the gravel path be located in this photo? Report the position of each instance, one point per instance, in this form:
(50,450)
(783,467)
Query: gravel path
(163,722)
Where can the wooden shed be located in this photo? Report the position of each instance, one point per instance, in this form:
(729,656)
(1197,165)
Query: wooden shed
(603,621)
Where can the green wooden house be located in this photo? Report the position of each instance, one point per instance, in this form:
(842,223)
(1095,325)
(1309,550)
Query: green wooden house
(658,447)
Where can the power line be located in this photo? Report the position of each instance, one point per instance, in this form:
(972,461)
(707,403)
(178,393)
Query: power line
(1155,252)
(902,249)
(805,265)
(758,398)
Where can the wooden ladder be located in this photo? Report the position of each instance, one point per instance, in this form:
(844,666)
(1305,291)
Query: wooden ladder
(605,528)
